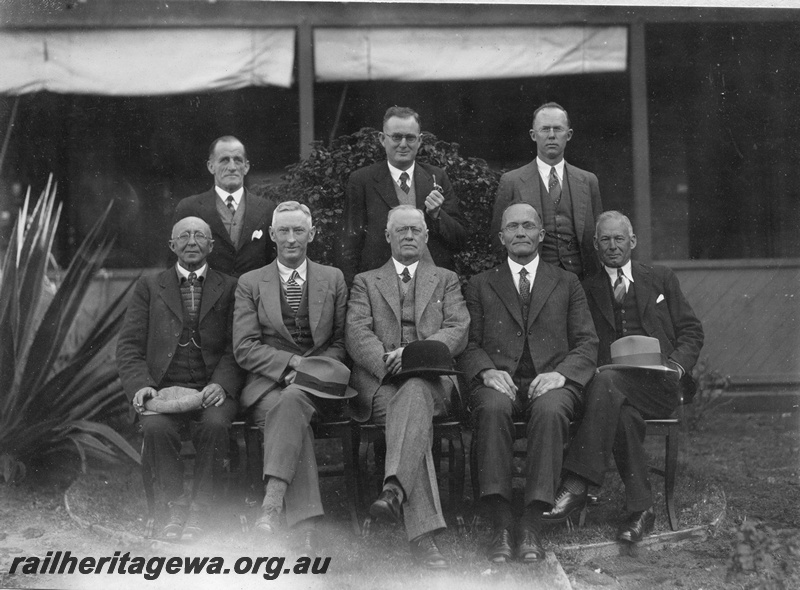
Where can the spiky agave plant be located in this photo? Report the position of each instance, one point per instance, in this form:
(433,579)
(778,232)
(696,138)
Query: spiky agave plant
(45,405)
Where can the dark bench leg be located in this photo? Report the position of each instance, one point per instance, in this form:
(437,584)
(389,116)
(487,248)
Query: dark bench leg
(670,467)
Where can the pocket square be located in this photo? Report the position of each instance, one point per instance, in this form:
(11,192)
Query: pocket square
(660,298)
(257,235)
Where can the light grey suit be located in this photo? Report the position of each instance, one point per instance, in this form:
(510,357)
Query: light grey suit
(373,327)
(263,346)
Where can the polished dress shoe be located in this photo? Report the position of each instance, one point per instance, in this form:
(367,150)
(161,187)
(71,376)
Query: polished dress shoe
(637,526)
(267,522)
(174,527)
(530,547)
(426,553)
(387,507)
(500,549)
(565,506)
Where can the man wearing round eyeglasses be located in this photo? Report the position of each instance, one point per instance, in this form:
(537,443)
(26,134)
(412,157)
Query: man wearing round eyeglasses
(401,180)
(175,360)
(567,197)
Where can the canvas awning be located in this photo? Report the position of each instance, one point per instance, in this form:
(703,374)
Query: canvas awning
(411,54)
(137,62)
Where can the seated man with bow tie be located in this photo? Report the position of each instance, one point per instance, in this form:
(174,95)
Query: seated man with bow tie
(531,350)
(289,310)
(628,298)
(177,334)
(406,300)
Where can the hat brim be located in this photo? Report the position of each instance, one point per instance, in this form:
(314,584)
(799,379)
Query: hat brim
(661,368)
(348,393)
(421,372)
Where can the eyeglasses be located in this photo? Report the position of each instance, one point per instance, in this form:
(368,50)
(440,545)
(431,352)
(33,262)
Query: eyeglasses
(410,138)
(199,237)
(554,130)
(514,227)
(415,230)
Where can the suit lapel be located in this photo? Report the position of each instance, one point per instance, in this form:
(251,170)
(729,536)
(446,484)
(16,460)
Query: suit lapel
(270,295)
(579,193)
(254,209)
(208,207)
(426,281)
(507,292)
(531,186)
(316,287)
(600,290)
(643,287)
(543,285)
(384,185)
(386,283)
(423,185)
(212,291)
(171,291)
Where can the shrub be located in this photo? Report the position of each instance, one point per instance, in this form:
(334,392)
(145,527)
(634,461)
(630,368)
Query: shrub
(320,180)
(711,386)
(50,399)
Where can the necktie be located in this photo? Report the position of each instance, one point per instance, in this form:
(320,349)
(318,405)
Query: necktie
(553,186)
(192,283)
(294,292)
(405,275)
(229,203)
(404,184)
(619,288)
(524,285)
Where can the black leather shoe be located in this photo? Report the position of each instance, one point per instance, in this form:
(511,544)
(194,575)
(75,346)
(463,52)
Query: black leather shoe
(530,547)
(387,507)
(500,549)
(637,526)
(566,505)
(426,553)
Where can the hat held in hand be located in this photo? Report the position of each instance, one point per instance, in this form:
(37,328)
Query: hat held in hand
(637,352)
(425,358)
(173,400)
(324,377)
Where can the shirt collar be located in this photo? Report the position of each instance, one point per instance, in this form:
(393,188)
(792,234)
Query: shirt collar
(544,169)
(223,194)
(286,272)
(626,272)
(530,267)
(399,266)
(396,172)
(184,274)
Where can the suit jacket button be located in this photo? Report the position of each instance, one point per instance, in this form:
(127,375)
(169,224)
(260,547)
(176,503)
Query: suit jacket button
(169,354)
(519,333)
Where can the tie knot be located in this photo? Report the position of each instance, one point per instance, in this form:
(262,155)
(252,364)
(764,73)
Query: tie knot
(405,275)
(404,177)
(523,272)
(229,203)
(192,277)
(619,273)
(294,276)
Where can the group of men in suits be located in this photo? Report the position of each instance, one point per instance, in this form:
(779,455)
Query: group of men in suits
(230,324)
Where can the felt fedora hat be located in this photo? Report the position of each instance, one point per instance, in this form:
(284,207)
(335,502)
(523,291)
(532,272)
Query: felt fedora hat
(426,358)
(324,377)
(637,352)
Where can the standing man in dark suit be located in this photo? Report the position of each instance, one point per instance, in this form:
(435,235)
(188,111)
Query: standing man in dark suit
(287,311)
(532,348)
(400,180)
(407,300)
(177,332)
(567,197)
(628,299)
(239,220)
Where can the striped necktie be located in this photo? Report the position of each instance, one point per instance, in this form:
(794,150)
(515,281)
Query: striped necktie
(553,186)
(229,204)
(404,182)
(619,288)
(294,292)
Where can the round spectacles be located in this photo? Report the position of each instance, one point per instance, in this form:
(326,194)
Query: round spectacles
(398,138)
(199,237)
(558,131)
